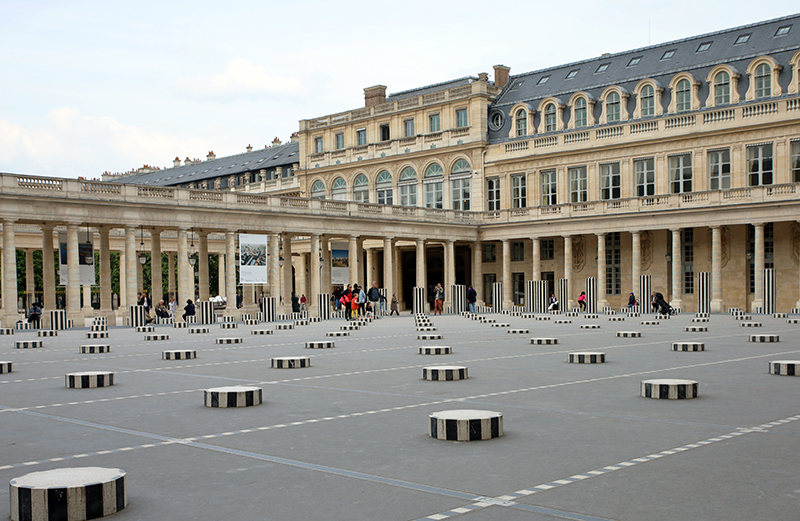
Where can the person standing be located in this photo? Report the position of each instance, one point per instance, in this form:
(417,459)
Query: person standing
(295,303)
(394,305)
(362,301)
(374,298)
(438,298)
(173,308)
(472,298)
(303,302)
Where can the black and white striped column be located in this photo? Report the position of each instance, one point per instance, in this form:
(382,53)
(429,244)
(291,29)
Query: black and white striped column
(769,291)
(420,305)
(207,315)
(497,297)
(645,290)
(669,389)
(466,425)
(137,316)
(702,288)
(591,294)
(458,298)
(324,306)
(58,319)
(539,296)
(562,293)
(270,309)
(233,396)
(386,301)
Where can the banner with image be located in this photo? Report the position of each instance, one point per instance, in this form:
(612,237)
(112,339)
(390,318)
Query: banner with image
(253,267)
(340,263)
(85,259)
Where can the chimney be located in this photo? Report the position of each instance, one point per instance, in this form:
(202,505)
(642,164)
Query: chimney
(211,156)
(295,137)
(374,95)
(483,76)
(187,161)
(249,148)
(276,142)
(176,161)
(501,75)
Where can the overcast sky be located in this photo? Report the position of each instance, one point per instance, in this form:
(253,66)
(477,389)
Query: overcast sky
(88,87)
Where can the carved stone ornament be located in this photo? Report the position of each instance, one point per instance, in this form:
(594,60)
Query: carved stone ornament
(725,239)
(578,256)
(647,250)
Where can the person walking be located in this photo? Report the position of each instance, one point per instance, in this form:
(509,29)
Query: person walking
(438,298)
(394,305)
(295,303)
(472,298)
(173,308)
(303,302)
(374,297)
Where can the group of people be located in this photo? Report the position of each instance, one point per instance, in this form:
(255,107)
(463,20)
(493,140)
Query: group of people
(357,302)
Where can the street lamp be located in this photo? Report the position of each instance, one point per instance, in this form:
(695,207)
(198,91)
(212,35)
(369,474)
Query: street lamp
(90,258)
(192,259)
(142,255)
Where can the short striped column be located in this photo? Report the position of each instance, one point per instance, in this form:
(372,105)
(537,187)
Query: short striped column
(764,339)
(539,289)
(458,298)
(419,303)
(228,325)
(145,329)
(28,344)
(696,329)
(180,325)
(702,290)
(769,291)
(281,327)
(669,389)
(544,341)
(590,326)
(6,367)
(435,350)
(466,425)
(206,315)
(430,336)
(586,357)
(196,330)
(320,344)
(562,293)
(232,396)
(97,334)
(262,332)
(591,294)
(58,319)
(645,290)
(444,373)
(628,334)
(518,331)
(270,306)
(89,379)
(155,338)
(136,316)
(324,306)
(785,367)
(229,341)
(497,297)
(178,354)
(91,349)
(337,333)
(73,494)
(6,331)
(47,332)
(290,362)
(688,346)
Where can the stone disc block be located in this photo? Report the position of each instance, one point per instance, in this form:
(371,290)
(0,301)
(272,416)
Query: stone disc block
(426,328)
(466,425)
(634,314)
(554,312)
(435,350)
(423,324)
(662,317)
(198,330)
(616,319)
(544,341)
(571,314)
(697,320)
(765,338)
(489,320)
(650,323)
(501,324)
(251,322)
(590,315)
(628,334)
(27,344)
(229,340)
(669,389)
(695,329)
(785,367)
(262,332)
(611,312)
(228,325)
(519,331)
(432,336)
(320,344)
(73,494)
(228,318)
(793,321)
(688,346)
(528,315)
(99,327)
(590,326)
(178,325)
(145,329)
(284,326)
(350,327)
(563,321)
(156,337)
(742,317)
(89,379)
(6,331)
(6,367)
(701,315)
(95,348)
(290,362)
(542,317)
(587,357)
(442,373)
(314,319)
(97,334)
(337,333)
(302,322)
(178,354)
(780,315)
(47,332)
(233,396)
(750,324)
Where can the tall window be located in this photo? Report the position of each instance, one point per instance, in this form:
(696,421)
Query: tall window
(687,249)
(522,122)
(612,107)
(517,251)
(578,187)
(492,194)
(547,249)
(763,81)
(549,185)
(488,282)
(550,118)
(318,190)
(613,264)
(461,118)
(340,140)
(383,186)
(648,99)
(460,186)
(519,193)
(519,288)
(645,175)
(759,165)
(385,134)
(434,196)
(361,136)
(318,145)
(610,181)
(433,123)
(361,189)
(489,252)
(680,174)
(769,252)
(580,112)
(795,161)
(683,96)
(722,88)
(719,169)
(408,128)
(339,189)
(408,187)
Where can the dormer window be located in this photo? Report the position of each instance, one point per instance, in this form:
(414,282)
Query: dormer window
(602,68)
(668,55)
(742,39)
(704,47)
(634,61)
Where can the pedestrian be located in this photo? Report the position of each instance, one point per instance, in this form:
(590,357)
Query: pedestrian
(472,298)
(295,303)
(362,301)
(354,304)
(173,308)
(188,309)
(303,302)
(383,304)
(582,300)
(394,305)
(438,298)
(374,297)
(34,315)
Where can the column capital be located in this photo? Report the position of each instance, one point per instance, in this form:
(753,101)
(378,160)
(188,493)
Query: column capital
(675,230)
(601,234)
(715,226)
(450,241)
(758,225)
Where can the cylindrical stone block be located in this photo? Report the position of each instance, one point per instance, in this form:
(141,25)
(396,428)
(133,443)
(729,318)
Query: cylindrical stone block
(228,318)
(337,333)
(350,327)
(435,350)
(688,346)
(742,317)
(466,425)
(229,340)
(95,348)
(228,325)
(285,326)
(750,324)
(290,362)
(178,354)
(586,357)
(262,332)
(197,330)
(616,319)
(765,338)
(785,367)
(47,332)
(99,327)
(432,336)
(695,329)
(544,341)
(426,328)
(700,320)
(501,324)
(669,389)
(793,321)
(542,317)
(6,331)
(519,331)
(563,321)
(650,323)
(6,367)
(72,494)
(180,325)
(27,344)
(97,334)
(156,337)
(780,315)
(441,373)
(634,314)
(321,344)
(590,326)
(233,396)
(590,315)
(89,379)
(301,322)
(145,329)
(628,334)
(701,315)
(251,322)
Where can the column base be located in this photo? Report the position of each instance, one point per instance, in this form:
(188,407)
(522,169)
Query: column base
(717,306)
(676,303)
(507,304)
(11,319)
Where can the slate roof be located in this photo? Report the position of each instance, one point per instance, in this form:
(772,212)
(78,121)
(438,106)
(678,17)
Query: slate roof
(466,80)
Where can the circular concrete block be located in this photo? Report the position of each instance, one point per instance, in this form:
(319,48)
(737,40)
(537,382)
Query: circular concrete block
(590,326)
(466,425)
(442,373)
(97,334)
(701,315)
(145,329)
(426,328)
(489,320)
(519,331)
(73,494)
(233,396)
(350,327)
(780,315)
(616,319)
(695,329)
(688,346)
(785,367)
(95,349)
(47,332)
(262,332)
(650,323)
(542,317)
(89,379)
(99,327)
(432,336)
(197,330)
(153,338)
(571,314)
(662,317)
(290,362)
(699,320)
(229,340)
(528,315)
(544,341)
(634,314)
(27,344)
(750,324)
(435,350)
(6,331)
(587,357)
(6,367)
(251,322)
(178,354)
(765,338)
(742,317)
(301,322)
(563,321)
(229,318)
(228,325)
(179,325)
(285,326)
(793,321)
(501,324)
(314,319)
(590,315)
(320,344)
(337,333)
(611,312)
(628,334)
(669,389)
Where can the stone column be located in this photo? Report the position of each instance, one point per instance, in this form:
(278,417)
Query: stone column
(388,267)
(325,282)
(636,262)
(131,268)
(156,273)
(716,270)
(202,266)
(184,291)
(508,286)
(87,309)
(48,270)
(171,273)
(536,271)
(221,274)
(9,282)
(477,271)
(274,265)
(230,274)
(105,276)
(286,292)
(361,277)
(73,277)
(602,296)
(758,259)
(421,265)
(314,273)
(449,271)
(677,270)
(568,271)
(353,259)
(123,282)
(369,278)
(30,286)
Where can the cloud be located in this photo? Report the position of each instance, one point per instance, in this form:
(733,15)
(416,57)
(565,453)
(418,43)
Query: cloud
(241,79)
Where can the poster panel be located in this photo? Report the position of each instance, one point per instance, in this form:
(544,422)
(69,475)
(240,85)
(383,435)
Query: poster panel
(253,268)
(85,259)
(340,263)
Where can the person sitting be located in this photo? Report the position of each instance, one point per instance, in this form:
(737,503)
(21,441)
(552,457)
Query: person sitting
(582,300)
(161,310)
(553,303)
(188,309)
(631,300)
(34,315)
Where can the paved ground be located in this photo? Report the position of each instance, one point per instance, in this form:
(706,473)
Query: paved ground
(347,438)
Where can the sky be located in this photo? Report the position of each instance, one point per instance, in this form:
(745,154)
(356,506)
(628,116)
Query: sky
(93,86)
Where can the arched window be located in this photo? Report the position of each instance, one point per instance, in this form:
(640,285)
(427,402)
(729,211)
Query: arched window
(612,107)
(435,169)
(408,173)
(648,100)
(339,189)
(318,190)
(580,112)
(683,96)
(763,81)
(434,192)
(550,118)
(408,187)
(522,123)
(383,188)
(361,189)
(722,88)
(461,167)
(461,186)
